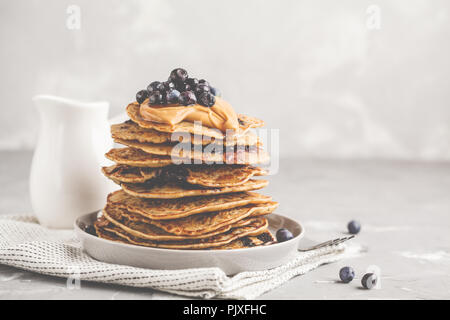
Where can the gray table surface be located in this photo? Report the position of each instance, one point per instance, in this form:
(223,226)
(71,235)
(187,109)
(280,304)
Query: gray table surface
(404,209)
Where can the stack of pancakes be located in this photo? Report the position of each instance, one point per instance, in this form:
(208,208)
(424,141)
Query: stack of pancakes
(206,202)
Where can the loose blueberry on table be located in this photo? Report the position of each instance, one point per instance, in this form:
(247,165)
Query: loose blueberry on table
(369,280)
(283,235)
(347,274)
(179,89)
(354,227)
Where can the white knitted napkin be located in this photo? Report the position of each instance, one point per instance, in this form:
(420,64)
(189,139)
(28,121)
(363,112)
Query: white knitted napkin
(27,245)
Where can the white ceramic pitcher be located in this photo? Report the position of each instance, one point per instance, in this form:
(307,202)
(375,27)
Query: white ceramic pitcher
(65,179)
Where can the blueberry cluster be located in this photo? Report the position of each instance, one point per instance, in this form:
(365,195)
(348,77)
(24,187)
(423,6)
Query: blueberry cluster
(179,89)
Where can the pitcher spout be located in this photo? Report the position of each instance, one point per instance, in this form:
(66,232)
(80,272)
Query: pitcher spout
(58,107)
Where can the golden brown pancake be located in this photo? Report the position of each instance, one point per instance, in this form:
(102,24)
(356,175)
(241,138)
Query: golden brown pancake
(210,221)
(161,209)
(134,225)
(180,152)
(262,239)
(131,131)
(204,175)
(138,158)
(222,175)
(123,173)
(101,232)
(254,227)
(173,190)
(197,224)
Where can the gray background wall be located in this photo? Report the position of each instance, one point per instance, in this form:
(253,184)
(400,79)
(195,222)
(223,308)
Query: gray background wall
(334,86)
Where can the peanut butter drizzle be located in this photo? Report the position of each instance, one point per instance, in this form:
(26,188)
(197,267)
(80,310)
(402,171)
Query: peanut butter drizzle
(221,115)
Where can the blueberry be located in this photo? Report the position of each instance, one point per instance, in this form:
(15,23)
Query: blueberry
(187,98)
(172,96)
(346,274)
(155,98)
(168,86)
(206,99)
(165,98)
(91,230)
(201,88)
(184,87)
(354,227)
(155,86)
(215,91)
(284,235)
(203,81)
(141,96)
(369,280)
(178,75)
(193,82)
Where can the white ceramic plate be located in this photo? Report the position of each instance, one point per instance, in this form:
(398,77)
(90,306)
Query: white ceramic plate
(230,261)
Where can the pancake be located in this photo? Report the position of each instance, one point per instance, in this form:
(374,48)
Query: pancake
(161,209)
(199,224)
(138,158)
(101,232)
(245,123)
(254,227)
(213,154)
(134,225)
(222,175)
(262,239)
(131,131)
(204,175)
(170,150)
(123,173)
(178,190)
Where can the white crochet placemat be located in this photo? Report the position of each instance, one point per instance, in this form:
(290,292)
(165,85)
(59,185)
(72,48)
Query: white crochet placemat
(27,245)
